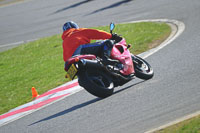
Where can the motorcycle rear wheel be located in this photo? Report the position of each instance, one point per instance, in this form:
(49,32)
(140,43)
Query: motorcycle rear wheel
(143,69)
(96,82)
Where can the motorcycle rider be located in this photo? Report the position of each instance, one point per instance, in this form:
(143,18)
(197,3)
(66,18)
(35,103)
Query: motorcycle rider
(76,41)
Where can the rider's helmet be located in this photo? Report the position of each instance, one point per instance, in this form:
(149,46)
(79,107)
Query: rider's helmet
(70,25)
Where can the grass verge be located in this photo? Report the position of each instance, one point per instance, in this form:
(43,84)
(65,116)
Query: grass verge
(5,3)
(40,63)
(188,126)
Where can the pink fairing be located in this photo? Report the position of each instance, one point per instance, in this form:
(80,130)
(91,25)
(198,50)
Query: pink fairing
(121,53)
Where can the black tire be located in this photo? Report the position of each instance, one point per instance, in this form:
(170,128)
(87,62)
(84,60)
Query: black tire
(96,82)
(143,69)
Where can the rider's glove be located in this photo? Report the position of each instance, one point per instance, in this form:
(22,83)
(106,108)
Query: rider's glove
(116,37)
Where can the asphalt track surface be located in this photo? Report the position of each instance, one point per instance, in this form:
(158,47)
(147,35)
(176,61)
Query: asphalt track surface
(137,106)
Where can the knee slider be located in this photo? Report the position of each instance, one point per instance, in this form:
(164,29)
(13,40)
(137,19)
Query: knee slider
(109,43)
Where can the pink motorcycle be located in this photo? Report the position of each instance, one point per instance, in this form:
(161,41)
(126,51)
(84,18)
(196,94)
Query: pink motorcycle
(99,78)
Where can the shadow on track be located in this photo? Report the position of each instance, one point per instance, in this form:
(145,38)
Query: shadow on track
(82,105)
(67,110)
(111,6)
(72,6)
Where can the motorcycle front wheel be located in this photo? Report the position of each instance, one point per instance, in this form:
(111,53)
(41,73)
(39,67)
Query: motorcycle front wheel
(96,82)
(143,69)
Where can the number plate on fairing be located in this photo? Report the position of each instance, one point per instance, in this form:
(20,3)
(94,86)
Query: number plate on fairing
(71,73)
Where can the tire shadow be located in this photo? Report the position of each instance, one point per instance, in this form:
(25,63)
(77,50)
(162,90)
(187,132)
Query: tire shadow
(72,6)
(112,6)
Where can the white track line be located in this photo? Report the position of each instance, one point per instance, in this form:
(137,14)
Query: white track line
(177,28)
(174,122)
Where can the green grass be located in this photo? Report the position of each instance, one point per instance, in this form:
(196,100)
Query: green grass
(142,36)
(9,2)
(189,126)
(40,63)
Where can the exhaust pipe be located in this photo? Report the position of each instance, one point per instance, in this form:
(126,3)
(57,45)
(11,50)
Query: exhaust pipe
(90,63)
(97,65)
